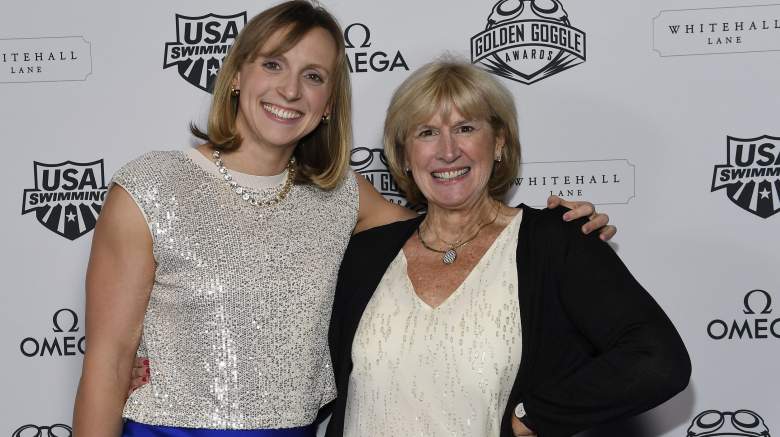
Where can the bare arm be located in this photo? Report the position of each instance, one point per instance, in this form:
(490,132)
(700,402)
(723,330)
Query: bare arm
(119,280)
(375,210)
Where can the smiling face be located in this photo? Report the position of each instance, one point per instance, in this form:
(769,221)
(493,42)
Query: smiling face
(284,97)
(451,159)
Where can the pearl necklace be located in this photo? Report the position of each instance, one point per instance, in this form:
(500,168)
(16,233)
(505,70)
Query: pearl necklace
(246,194)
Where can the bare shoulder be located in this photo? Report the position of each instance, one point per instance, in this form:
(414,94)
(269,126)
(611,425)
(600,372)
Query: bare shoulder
(121,263)
(121,224)
(375,210)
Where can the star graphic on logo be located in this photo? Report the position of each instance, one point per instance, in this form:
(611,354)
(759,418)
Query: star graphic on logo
(764,194)
(213,70)
(71,217)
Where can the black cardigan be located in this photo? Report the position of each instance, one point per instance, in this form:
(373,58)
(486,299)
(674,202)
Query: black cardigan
(596,346)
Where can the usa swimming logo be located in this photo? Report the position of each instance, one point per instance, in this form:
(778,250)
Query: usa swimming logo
(202,43)
(67,197)
(751,175)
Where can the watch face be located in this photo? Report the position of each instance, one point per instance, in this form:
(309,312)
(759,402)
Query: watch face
(520,410)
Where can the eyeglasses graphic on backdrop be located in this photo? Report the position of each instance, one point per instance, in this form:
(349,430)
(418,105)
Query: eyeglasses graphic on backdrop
(738,423)
(56,430)
(506,10)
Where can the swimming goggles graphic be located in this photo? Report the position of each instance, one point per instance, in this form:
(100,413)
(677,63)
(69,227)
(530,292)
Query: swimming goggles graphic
(56,430)
(509,8)
(738,423)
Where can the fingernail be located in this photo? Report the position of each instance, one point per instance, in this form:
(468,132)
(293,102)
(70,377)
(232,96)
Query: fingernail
(144,379)
(567,217)
(146,362)
(148,371)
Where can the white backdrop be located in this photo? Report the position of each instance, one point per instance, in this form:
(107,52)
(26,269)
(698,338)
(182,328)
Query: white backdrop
(664,92)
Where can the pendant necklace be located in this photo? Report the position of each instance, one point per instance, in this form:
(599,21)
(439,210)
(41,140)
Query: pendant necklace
(451,254)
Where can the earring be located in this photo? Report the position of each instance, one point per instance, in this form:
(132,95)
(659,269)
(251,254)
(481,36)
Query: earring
(325,118)
(235,92)
(498,158)
(407,170)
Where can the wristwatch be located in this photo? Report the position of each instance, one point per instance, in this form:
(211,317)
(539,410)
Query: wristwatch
(520,411)
(522,416)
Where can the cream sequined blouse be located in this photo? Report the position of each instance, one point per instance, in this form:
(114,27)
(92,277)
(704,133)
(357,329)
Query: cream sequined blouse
(236,326)
(444,371)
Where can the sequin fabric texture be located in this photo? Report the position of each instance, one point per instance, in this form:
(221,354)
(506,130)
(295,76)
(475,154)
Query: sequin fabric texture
(444,371)
(236,326)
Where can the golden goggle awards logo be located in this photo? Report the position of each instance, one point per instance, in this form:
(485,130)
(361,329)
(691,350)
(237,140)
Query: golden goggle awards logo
(372,164)
(56,430)
(739,423)
(528,40)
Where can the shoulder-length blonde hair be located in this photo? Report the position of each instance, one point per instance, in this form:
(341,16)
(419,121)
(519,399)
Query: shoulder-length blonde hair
(322,156)
(440,86)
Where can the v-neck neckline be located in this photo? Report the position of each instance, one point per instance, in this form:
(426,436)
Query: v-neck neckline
(459,288)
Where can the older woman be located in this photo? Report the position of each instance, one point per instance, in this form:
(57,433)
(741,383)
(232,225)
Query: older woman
(478,318)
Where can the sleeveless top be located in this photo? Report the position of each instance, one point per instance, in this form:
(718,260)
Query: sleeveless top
(444,371)
(237,321)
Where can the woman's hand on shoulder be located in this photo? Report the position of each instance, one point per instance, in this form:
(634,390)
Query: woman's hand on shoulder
(140,375)
(375,210)
(596,220)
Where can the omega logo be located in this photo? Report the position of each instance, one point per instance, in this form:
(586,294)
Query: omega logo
(64,322)
(366,35)
(756,303)
(358,36)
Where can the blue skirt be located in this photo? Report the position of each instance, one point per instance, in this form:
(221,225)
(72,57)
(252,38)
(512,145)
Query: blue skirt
(135,429)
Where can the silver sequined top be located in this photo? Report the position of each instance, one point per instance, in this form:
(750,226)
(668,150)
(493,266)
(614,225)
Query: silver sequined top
(236,327)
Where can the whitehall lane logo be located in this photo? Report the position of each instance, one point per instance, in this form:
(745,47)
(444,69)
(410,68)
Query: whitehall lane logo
(364,58)
(709,31)
(47,59)
(751,175)
(56,430)
(372,164)
(67,197)
(603,182)
(739,423)
(754,323)
(528,40)
(202,43)
(66,341)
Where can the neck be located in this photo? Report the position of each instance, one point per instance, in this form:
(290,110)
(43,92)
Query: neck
(254,156)
(253,159)
(451,225)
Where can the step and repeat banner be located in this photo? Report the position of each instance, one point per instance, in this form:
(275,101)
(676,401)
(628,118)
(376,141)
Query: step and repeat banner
(663,113)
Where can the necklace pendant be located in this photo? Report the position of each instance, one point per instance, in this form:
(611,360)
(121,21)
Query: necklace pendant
(449,256)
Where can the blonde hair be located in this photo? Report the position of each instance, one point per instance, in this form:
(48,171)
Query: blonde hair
(441,86)
(322,156)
